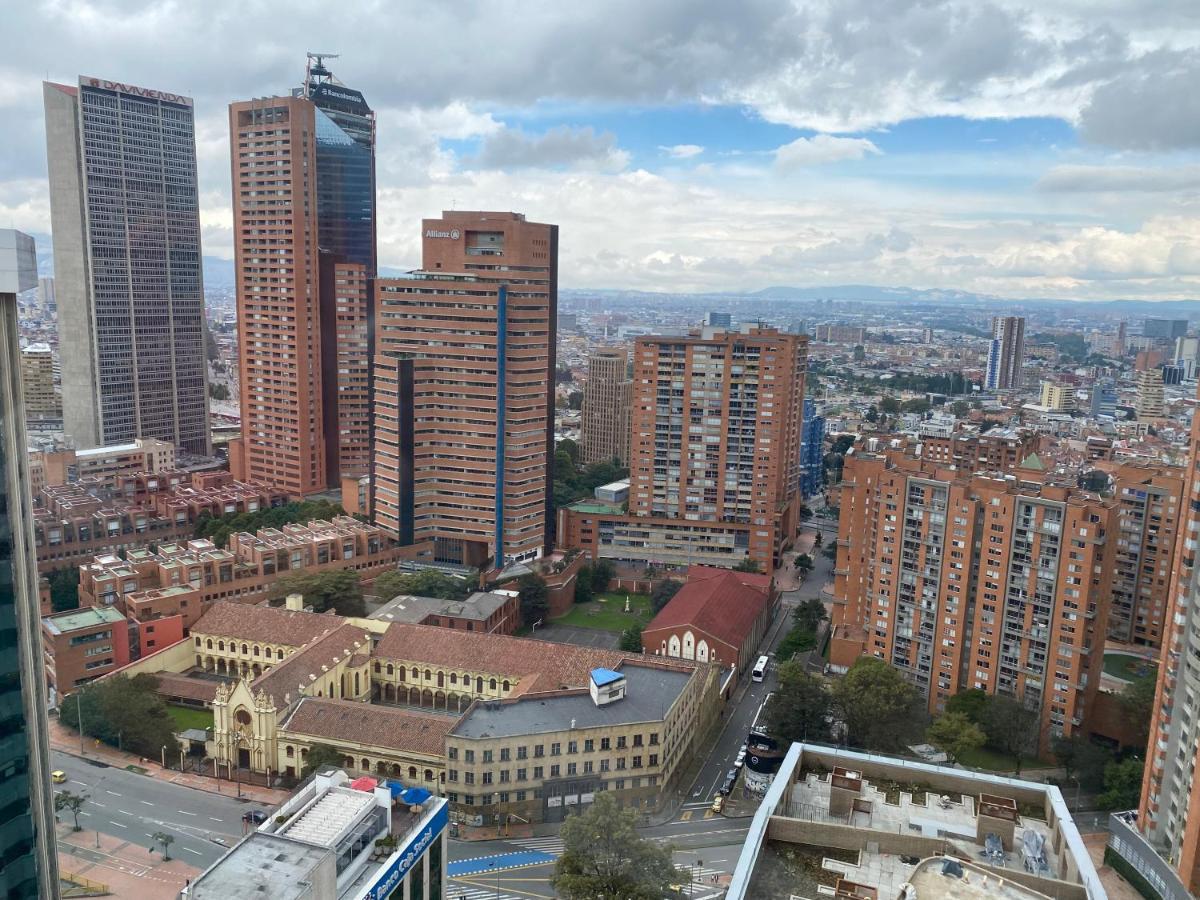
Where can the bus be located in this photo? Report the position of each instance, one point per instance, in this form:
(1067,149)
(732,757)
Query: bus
(760,669)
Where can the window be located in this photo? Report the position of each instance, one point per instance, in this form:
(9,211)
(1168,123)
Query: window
(572,769)
(503,776)
(605,744)
(487,777)
(452,753)
(604,765)
(487,756)
(452,774)
(637,740)
(653,759)
(470,756)
(637,762)
(539,751)
(572,746)
(621,742)
(505,754)
(538,772)
(521,774)
(555,771)
(468,777)
(589,745)
(620,763)
(522,752)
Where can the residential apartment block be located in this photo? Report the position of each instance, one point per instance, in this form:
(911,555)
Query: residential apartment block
(1006,354)
(714,466)
(81,645)
(42,399)
(607,405)
(993,581)
(464,388)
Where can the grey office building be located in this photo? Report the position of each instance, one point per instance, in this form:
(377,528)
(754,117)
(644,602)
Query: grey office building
(28,862)
(127,266)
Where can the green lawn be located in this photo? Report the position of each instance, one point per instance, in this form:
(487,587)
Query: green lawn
(186,717)
(983,758)
(607,612)
(1129,668)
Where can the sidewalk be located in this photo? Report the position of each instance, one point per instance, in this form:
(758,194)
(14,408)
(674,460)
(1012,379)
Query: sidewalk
(65,740)
(127,868)
(517,831)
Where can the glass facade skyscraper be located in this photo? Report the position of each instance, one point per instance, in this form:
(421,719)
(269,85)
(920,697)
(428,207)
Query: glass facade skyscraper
(28,865)
(126,222)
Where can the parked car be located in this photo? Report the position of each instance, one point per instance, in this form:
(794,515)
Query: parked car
(254,817)
(730,779)
(58,776)
(718,803)
(741,759)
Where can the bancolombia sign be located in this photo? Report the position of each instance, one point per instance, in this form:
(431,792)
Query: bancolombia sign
(407,855)
(136,91)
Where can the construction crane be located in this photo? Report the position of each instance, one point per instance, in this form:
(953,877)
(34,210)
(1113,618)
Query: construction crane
(315,67)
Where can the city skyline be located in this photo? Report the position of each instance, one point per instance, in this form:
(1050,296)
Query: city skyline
(1057,162)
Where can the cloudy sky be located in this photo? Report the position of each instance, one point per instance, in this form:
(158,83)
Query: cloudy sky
(1022,149)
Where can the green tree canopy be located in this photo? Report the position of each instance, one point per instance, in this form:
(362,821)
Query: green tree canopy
(809,613)
(65,800)
(219,528)
(321,755)
(748,564)
(1122,784)
(631,639)
(804,562)
(336,589)
(583,585)
(423,583)
(64,588)
(971,703)
(124,711)
(801,706)
(603,571)
(881,710)
(534,597)
(604,858)
(663,592)
(1011,727)
(955,734)
(1137,702)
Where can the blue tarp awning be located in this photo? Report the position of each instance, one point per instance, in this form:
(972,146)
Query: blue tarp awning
(415,796)
(396,788)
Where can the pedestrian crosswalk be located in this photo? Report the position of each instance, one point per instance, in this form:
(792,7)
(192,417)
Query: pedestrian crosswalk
(551,845)
(698,882)
(456,891)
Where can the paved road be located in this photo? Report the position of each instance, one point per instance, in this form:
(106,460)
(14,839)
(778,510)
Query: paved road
(133,807)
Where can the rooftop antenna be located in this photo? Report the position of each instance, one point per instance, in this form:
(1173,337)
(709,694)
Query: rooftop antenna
(315,67)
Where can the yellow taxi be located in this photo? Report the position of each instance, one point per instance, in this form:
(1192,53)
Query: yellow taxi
(58,776)
(718,803)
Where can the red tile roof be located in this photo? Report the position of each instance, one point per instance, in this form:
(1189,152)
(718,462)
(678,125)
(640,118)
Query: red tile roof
(535,665)
(285,682)
(338,721)
(719,602)
(184,688)
(267,624)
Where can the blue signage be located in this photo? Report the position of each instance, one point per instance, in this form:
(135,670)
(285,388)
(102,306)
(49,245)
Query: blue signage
(404,858)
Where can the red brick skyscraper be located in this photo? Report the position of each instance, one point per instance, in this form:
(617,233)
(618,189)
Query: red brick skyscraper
(304,226)
(464,381)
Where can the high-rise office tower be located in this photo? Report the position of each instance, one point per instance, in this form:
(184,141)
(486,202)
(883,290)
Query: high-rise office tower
(46,300)
(127,264)
(1167,813)
(1006,354)
(30,864)
(607,402)
(464,390)
(1103,399)
(1164,329)
(304,220)
(960,581)
(812,451)
(718,319)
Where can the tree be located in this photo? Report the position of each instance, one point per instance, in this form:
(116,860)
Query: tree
(122,711)
(955,735)
(583,585)
(569,447)
(842,443)
(64,588)
(604,858)
(161,837)
(1137,702)
(800,708)
(218,391)
(631,639)
(872,414)
(321,755)
(1082,760)
(425,583)
(880,709)
(809,614)
(575,400)
(534,597)
(603,572)
(804,562)
(72,802)
(919,405)
(663,592)
(1095,480)
(889,406)
(336,589)
(219,528)
(860,353)
(1011,727)
(972,703)
(1122,784)
(748,564)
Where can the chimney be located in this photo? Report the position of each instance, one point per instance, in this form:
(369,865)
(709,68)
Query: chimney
(294,602)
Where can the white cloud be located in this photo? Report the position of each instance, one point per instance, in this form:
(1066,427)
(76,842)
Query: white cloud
(821,148)
(1132,179)
(511,148)
(682,151)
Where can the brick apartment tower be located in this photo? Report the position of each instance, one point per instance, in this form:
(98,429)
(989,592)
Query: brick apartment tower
(716,434)
(304,226)
(464,390)
(607,403)
(994,581)
(1167,815)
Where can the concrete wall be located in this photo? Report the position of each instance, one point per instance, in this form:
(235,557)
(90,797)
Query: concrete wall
(1128,843)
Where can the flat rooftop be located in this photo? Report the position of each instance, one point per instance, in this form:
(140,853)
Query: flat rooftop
(414,610)
(649,694)
(87,617)
(261,866)
(324,821)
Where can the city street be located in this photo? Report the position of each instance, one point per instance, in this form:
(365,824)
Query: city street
(133,807)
